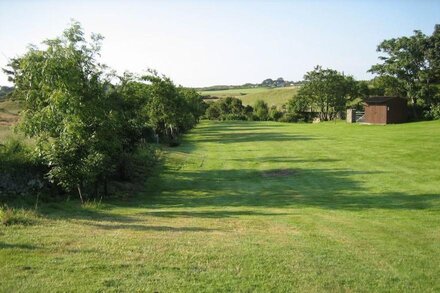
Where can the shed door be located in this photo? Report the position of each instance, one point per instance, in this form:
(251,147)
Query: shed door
(378,114)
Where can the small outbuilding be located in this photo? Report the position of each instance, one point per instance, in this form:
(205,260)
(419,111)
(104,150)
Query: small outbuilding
(385,110)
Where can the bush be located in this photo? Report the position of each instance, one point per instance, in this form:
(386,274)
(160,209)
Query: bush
(433,113)
(135,165)
(275,114)
(227,109)
(20,171)
(261,110)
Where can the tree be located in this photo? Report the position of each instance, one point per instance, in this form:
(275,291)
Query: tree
(261,110)
(227,109)
(66,107)
(274,114)
(171,110)
(415,62)
(213,112)
(297,108)
(327,91)
(267,82)
(386,85)
(195,106)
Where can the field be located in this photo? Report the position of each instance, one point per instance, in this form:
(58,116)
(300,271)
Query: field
(252,206)
(272,96)
(8,116)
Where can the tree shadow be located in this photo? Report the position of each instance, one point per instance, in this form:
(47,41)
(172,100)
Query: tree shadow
(74,210)
(150,228)
(214,214)
(215,127)
(239,137)
(4,245)
(323,188)
(285,160)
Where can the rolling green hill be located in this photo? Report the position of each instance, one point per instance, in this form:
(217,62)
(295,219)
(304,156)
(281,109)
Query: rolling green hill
(8,116)
(272,96)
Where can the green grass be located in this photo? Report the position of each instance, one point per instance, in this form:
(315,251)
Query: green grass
(272,96)
(252,206)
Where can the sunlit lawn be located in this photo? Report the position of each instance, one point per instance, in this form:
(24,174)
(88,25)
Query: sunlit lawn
(252,206)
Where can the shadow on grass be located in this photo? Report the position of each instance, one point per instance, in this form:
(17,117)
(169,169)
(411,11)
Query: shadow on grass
(323,188)
(4,245)
(136,227)
(239,137)
(209,214)
(74,210)
(285,160)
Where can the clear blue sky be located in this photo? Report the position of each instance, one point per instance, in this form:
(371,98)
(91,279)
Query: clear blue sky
(200,43)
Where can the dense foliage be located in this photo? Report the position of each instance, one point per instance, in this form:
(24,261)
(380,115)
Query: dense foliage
(326,92)
(86,127)
(413,64)
(228,109)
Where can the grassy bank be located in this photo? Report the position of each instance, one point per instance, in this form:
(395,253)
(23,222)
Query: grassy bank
(272,96)
(252,206)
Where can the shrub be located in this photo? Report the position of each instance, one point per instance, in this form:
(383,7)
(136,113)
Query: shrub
(261,110)
(274,113)
(433,112)
(20,171)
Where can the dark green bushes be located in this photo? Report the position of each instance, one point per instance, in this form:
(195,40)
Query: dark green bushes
(228,109)
(20,171)
(88,128)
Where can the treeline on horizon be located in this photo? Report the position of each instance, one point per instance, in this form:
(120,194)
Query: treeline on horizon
(88,125)
(268,82)
(410,68)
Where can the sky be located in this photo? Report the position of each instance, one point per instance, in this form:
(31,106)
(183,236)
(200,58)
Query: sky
(202,43)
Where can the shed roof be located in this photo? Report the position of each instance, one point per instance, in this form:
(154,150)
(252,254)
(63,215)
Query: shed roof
(380,99)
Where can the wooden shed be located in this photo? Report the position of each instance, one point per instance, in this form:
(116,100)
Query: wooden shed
(385,110)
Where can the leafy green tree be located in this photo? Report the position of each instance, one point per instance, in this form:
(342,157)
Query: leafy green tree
(327,91)
(194,107)
(226,109)
(66,108)
(213,112)
(386,85)
(261,110)
(415,62)
(163,107)
(171,110)
(274,114)
(297,107)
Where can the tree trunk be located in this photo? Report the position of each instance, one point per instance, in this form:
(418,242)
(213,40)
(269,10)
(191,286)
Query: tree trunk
(413,102)
(78,187)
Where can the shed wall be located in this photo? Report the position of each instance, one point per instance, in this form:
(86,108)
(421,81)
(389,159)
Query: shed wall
(376,114)
(398,111)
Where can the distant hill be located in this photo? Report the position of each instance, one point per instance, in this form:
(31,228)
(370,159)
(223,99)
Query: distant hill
(4,91)
(267,83)
(272,91)
(272,96)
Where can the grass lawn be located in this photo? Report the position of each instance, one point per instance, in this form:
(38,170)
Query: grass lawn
(252,206)
(272,96)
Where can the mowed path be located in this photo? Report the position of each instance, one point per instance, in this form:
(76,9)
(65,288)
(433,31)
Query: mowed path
(253,206)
